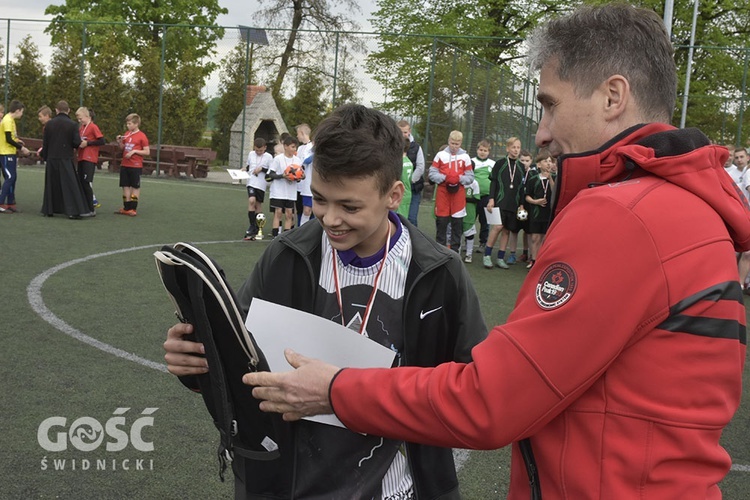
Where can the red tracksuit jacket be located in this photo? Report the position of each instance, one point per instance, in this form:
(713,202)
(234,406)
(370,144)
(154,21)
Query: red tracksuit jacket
(622,360)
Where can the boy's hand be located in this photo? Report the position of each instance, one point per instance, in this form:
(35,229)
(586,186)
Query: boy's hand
(184,357)
(491,205)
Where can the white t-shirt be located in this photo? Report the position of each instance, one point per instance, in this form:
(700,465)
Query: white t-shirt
(303,186)
(254,161)
(282,189)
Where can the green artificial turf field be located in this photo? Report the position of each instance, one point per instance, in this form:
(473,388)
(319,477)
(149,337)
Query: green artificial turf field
(82,320)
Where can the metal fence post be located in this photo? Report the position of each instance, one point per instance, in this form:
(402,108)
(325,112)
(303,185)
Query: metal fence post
(335,71)
(425,149)
(161,96)
(738,139)
(83,64)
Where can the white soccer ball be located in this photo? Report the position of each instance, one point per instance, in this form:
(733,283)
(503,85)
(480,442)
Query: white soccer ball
(522,214)
(260,217)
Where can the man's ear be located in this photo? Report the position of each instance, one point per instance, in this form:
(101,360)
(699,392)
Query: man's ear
(617,94)
(395,195)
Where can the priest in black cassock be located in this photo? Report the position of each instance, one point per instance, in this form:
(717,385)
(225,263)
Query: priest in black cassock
(62,190)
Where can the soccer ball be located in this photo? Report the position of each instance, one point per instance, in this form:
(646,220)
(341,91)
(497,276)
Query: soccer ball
(522,214)
(261,217)
(294,173)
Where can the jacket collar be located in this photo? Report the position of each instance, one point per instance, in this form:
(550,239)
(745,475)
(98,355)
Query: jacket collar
(683,157)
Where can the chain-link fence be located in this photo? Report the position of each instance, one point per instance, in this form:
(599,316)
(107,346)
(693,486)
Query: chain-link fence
(189,83)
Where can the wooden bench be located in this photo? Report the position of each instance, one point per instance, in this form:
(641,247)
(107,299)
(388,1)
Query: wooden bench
(198,160)
(174,160)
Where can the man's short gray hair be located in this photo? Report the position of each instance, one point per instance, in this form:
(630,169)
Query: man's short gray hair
(593,43)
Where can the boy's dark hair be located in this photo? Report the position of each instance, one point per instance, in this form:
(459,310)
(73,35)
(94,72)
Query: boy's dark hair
(283,136)
(407,143)
(259,142)
(290,140)
(356,141)
(63,107)
(525,152)
(14,106)
(543,154)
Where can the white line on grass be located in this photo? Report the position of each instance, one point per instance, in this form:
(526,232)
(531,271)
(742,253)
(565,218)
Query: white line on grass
(34,294)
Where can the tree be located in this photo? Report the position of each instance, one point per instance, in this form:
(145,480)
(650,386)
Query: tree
(106,93)
(149,45)
(465,71)
(309,30)
(65,73)
(307,105)
(28,84)
(232,88)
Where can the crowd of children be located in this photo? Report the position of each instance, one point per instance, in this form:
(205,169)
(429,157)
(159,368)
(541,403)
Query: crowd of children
(466,191)
(469,189)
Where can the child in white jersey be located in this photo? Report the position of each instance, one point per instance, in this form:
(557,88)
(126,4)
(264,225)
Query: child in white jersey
(363,266)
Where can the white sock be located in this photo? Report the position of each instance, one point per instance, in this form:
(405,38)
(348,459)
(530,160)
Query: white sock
(303,218)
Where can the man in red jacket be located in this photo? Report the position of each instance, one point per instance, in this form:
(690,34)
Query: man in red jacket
(622,361)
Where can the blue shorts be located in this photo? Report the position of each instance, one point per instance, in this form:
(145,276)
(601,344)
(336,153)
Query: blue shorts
(306,201)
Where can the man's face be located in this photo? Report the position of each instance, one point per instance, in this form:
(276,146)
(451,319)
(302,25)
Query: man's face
(740,158)
(482,152)
(406,131)
(454,145)
(353,211)
(570,124)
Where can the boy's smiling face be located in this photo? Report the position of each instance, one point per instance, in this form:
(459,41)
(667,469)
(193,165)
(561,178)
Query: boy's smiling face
(353,212)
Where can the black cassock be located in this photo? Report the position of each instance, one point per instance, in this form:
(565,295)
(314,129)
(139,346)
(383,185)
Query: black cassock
(62,191)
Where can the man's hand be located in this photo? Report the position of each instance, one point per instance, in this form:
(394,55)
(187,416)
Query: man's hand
(184,357)
(302,392)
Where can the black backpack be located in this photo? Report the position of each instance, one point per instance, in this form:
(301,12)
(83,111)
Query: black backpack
(203,297)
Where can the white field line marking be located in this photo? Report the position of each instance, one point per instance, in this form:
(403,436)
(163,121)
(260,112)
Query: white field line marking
(34,295)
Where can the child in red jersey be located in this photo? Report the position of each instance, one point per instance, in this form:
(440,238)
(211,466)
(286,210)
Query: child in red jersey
(134,146)
(88,153)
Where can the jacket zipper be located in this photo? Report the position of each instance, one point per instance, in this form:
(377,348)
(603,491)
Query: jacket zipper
(528,459)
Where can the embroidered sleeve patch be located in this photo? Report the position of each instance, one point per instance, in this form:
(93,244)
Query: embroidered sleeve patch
(556,286)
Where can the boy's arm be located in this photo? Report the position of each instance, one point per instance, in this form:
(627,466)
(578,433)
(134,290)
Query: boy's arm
(418,172)
(468,176)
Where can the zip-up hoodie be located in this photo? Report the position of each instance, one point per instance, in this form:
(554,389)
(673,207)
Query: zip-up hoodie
(441,322)
(622,360)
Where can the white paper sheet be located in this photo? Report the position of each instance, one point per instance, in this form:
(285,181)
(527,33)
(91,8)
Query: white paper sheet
(276,328)
(237,174)
(493,218)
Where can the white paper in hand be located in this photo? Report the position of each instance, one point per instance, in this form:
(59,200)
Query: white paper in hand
(493,217)
(276,328)
(237,174)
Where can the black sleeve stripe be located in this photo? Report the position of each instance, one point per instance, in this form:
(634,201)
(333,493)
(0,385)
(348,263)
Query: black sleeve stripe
(705,327)
(729,290)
